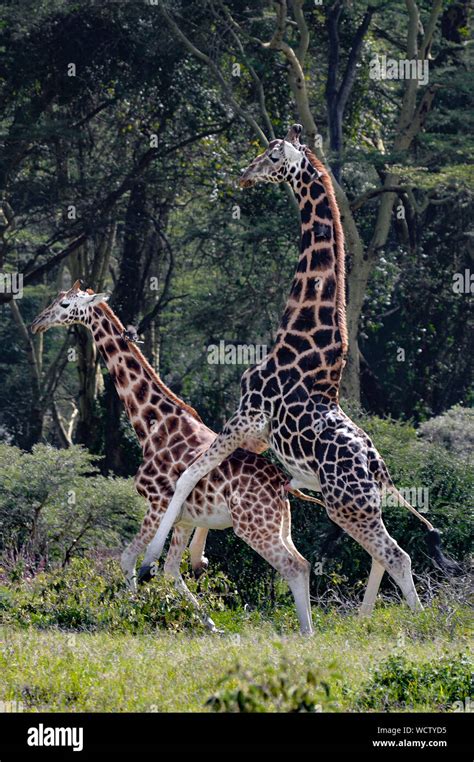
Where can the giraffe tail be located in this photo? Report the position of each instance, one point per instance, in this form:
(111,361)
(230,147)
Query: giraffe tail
(433,538)
(296,493)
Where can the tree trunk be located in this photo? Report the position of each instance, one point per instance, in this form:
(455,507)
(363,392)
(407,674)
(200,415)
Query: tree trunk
(127,302)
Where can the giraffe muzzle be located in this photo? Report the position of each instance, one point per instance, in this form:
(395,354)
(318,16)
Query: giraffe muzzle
(246,179)
(37,326)
(246,183)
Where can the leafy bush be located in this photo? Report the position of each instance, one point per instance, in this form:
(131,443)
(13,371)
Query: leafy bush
(454,430)
(274,690)
(89,597)
(53,505)
(398,683)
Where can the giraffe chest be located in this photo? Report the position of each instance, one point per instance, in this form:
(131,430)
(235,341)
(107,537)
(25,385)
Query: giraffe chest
(293,436)
(297,429)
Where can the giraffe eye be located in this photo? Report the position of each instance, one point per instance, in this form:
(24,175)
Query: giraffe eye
(64,304)
(274,156)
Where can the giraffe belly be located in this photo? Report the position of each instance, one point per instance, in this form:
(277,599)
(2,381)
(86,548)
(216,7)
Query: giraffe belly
(213,514)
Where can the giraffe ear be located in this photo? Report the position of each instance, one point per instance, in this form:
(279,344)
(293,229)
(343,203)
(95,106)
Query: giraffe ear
(75,287)
(293,135)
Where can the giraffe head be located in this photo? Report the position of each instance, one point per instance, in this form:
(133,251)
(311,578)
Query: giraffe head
(69,307)
(280,162)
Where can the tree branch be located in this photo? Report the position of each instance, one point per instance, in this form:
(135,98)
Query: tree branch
(302,49)
(365,197)
(350,71)
(102,208)
(233,28)
(216,72)
(30,347)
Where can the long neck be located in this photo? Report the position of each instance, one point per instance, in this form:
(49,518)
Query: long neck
(155,413)
(312,339)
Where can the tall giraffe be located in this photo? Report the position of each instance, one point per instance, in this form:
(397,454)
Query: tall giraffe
(291,398)
(245,491)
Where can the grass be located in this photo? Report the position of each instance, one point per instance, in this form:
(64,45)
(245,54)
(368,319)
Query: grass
(257,665)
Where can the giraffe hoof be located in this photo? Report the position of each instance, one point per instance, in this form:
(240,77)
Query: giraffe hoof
(213,630)
(131,583)
(145,573)
(201,567)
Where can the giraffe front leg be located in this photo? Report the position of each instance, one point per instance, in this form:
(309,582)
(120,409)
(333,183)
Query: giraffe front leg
(171,569)
(130,554)
(128,561)
(232,435)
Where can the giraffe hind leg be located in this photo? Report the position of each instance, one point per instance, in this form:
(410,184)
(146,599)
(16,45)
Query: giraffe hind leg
(199,562)
(300,587)
(276,547)
(387,553)
(357,510)
(375,578)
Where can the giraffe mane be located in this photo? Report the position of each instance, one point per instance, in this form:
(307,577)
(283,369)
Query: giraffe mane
(340,255)
(146,365)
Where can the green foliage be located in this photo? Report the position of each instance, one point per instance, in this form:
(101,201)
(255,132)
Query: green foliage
(92,597)
(453,430)
(53,505)
(400,684)
(274,690)
(110,669)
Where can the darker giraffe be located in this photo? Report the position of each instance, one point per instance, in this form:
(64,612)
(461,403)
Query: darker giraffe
(291,399)
(245,491)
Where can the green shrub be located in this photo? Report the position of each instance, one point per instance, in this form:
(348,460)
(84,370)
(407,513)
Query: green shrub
(54,506)
(398,683)
(274,690)
(87,597)
(454,430)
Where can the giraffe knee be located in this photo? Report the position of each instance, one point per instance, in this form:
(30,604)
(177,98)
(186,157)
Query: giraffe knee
(397,562)
(296,567)
(171,568)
